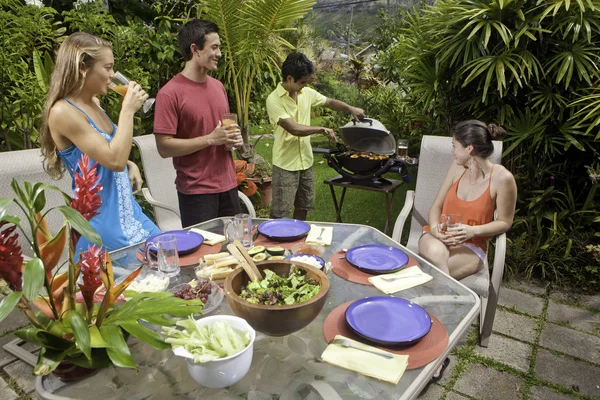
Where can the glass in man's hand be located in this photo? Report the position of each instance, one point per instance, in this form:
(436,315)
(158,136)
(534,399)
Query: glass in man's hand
(227,120)
(120,84)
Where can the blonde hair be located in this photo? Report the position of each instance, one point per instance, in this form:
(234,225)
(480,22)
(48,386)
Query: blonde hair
(76,55)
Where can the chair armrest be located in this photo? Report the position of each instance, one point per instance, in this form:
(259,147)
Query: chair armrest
(498,267)
(248,203)
(156,203)
(404,213)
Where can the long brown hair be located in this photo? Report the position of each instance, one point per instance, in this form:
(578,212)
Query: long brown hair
(77,54)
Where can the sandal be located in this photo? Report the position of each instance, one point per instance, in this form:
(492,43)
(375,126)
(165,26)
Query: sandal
(440,374)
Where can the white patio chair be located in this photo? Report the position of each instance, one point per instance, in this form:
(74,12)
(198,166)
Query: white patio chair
(26,165)
(435,158)
(160,176)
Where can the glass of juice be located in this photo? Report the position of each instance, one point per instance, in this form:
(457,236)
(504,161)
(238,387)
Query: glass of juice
(120,84)
(229,119)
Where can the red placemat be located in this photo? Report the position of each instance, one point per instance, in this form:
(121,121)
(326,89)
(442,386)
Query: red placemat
(342,268)
(426,350)
(189,259)
(263,241)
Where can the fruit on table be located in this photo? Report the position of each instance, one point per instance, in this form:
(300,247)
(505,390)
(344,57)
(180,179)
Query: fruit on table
(276,251)
(256,250)
(259,257)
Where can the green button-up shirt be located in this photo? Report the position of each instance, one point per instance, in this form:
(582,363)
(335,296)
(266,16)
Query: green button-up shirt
(292,153)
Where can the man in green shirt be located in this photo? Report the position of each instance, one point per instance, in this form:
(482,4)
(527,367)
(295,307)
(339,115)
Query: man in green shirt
(289,107)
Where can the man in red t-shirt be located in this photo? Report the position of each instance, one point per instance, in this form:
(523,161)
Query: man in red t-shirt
(188,127)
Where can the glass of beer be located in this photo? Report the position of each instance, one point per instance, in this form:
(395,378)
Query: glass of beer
(402,146)
(229,119)
(120,84)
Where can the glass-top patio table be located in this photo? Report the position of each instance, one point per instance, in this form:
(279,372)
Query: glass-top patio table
(282,367)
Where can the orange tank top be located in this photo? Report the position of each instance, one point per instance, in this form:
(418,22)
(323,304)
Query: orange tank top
(475,212)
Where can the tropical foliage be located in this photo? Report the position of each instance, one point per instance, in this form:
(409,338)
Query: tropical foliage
(531,66)
(68,320)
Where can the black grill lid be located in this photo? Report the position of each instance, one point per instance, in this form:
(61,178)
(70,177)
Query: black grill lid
(368,135)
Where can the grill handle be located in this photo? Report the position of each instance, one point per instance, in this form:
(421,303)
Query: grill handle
(369,120)
(318,150)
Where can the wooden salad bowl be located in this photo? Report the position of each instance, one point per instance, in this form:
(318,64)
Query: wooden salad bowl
(276,320)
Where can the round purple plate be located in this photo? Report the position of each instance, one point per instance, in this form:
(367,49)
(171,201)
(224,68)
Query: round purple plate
(187,241)
(376,258)
(388,320)
(283,230)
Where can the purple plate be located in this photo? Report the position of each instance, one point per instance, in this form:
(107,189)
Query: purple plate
(388,320)
(283,230)
(187,241)
(377,259)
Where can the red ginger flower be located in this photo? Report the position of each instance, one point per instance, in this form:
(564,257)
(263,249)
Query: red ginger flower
(87,192)
(11,258)
(89,263)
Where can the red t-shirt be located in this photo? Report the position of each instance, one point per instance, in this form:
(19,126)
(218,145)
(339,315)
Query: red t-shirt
(188,109)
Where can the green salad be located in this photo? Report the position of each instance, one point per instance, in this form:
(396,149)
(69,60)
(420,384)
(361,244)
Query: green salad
(278,290)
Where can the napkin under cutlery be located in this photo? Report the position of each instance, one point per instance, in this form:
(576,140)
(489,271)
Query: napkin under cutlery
(406,278)
(373,365)
(320,235)
(209,237)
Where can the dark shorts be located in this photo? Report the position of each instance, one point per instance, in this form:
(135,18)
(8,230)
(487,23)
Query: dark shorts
(196,208)
(292,189)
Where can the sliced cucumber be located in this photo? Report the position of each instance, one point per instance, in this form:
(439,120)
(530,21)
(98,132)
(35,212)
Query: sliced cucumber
(276,251)
(256,250)
(276,258)
(259,257)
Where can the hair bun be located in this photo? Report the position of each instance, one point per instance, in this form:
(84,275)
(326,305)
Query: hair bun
(496,132)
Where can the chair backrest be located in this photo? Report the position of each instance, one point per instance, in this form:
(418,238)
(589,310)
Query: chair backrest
(434,160)
(26,165)
(160,177)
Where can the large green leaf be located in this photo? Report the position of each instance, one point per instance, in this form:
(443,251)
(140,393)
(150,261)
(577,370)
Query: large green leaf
(80,224)
(47,361)
(33,278)
(81,332)
(8,304)
(44,338)
(96,339)
(146,335)
(119,352)
(4,204)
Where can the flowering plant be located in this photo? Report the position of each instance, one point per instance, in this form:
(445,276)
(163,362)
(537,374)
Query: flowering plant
(67,321)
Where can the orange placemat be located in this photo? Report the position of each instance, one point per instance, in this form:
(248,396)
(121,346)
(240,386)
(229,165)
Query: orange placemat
(188,260)
(263,241)
(426,350)
(342,268)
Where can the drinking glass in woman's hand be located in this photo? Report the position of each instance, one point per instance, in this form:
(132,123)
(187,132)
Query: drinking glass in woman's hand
(120,84)
(443,224)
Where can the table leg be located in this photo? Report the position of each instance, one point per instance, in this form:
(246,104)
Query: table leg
(339,215)
(388,210)
(335,204)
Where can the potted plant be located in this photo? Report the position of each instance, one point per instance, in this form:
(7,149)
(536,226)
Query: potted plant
(73,327)
(255,176)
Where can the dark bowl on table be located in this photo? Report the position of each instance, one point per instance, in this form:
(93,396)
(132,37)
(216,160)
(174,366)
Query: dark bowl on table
(276,320)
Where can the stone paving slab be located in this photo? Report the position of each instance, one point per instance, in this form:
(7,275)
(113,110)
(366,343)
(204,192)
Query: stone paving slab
(455,396)
(534,287)
(523,302)
(586,300)
(507,351)
(6,393)
(517,326)
(481,382)
(570,341)
(432,392)
(542,393)
(578,318)
(22,373)
(14,321)
(568,373)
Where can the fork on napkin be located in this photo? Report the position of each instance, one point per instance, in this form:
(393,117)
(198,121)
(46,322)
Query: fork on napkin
(209,237)
(320,235)
(373,365)
(406,278)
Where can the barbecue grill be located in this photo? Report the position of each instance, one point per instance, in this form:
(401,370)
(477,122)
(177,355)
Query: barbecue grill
(367,151)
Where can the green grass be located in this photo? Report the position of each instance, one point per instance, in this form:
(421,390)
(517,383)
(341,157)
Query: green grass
(360,206)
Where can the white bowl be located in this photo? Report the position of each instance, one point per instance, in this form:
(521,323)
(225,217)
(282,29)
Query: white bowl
(226,371)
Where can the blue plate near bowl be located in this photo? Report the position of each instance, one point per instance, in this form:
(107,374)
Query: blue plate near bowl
(388,320)
(283,230)
(319,259)
(377,259)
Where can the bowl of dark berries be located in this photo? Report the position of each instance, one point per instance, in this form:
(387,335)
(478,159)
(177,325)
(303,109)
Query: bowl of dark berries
(200,289)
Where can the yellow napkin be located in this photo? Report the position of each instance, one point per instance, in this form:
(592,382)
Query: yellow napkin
(209,237)
(410,277)
(315,233)
(386,369)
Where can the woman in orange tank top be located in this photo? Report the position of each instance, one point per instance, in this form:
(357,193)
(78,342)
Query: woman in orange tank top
(473,187)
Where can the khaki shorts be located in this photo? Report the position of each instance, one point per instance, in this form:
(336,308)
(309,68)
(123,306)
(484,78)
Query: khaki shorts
(292,189)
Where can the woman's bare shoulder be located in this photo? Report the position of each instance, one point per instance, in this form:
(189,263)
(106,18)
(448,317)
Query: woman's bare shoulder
(502,175)
(455,171)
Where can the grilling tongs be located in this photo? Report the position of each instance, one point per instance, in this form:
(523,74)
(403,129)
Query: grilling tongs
(239,252)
